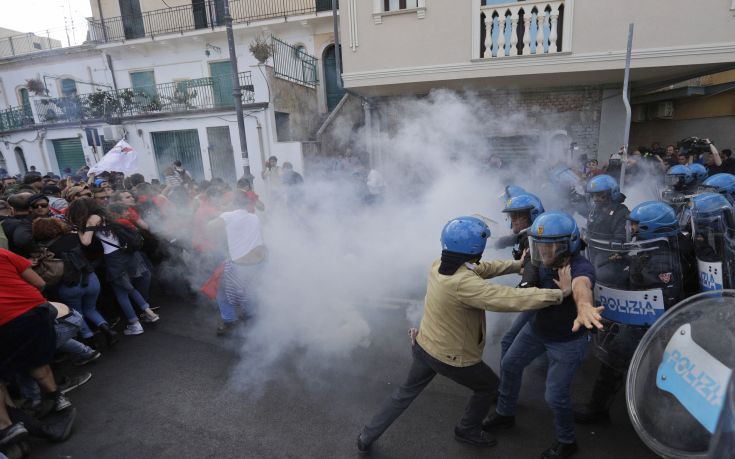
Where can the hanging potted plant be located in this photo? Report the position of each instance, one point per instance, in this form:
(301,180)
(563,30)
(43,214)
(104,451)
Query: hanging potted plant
(36,86)
(262,48)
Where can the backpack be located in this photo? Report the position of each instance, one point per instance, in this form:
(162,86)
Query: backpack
(130,238)
(45,263)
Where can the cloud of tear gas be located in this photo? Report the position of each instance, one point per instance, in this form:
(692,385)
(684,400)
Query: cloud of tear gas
(332,256)
(335,258)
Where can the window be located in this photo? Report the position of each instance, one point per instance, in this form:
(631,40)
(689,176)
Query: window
(283,128)
(395,5)
(144,82)
(23,97)
(390,7)
(68,87)
(37,45)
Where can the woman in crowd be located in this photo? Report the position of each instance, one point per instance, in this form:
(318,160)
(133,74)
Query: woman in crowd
(80,287)
(127,270)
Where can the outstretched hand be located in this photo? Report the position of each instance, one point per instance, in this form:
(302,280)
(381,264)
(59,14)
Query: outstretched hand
(588,316)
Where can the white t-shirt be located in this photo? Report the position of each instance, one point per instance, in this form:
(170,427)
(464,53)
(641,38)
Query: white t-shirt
(243,232)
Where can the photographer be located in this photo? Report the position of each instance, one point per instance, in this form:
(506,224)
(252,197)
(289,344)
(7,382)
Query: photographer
(712,160)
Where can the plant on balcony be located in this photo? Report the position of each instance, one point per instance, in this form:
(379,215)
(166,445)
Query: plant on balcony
(261,47)
(102,104)
(36,86)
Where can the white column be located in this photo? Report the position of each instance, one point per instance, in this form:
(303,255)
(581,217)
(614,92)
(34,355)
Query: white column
(554,16)
(501,35)
(514,31)
(540,21)
(488,34)
(526,33)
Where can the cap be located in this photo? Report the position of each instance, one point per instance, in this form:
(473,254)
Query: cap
(50,189)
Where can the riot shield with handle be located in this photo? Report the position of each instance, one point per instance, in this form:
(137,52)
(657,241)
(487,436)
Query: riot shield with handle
(713,232)
(646,280)
(676,386)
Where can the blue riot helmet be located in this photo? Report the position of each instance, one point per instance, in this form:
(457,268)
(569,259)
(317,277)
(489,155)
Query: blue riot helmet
(654,219)
(722,183)
(713,225)
(467,235)
(699,172)
(553,237)
(679,177)
(513,190)
(563,176)
(525,202)
(603,189)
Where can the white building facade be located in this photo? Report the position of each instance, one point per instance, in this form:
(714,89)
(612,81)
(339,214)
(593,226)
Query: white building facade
(164,83)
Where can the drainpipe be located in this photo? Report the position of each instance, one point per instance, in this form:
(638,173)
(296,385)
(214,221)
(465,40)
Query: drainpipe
(112,71)
(41,138)
(102,21)
(5,94)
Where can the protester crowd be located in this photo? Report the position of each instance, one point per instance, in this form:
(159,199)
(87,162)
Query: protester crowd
(79,255)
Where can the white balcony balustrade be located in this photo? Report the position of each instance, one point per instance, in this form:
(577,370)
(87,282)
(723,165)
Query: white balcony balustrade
(524,28)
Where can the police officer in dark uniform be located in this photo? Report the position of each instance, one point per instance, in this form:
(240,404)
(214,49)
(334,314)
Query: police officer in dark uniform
(607,221)
(522,210)
(659,257)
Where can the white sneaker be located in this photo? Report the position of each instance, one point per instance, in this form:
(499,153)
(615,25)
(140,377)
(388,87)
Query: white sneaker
(150,317)
(133,329)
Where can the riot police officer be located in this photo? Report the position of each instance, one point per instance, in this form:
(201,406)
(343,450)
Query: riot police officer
(522,211)
(713,232)
(699,173)
(722,183)
(607,221)
(557,331)
(679,179)
(659,256)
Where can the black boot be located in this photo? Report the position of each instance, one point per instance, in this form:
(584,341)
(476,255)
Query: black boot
(608,383)
(475,437)
(54,429)
(560,450)
(110,335)
(495,421)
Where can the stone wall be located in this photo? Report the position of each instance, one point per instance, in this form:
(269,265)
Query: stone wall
(300,102)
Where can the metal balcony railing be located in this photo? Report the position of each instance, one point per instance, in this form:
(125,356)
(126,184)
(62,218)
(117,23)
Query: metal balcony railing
(179,96)
(200,14)
(293,63)
(16,118)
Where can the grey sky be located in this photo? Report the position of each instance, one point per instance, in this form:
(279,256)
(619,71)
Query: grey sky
(40,15)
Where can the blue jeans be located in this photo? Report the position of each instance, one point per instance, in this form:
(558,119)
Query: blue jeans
(67,329)
(509,336)
(124,298)
(84,300)
(564,359)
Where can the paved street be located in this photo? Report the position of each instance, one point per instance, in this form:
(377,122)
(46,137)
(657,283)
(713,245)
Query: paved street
(167,393)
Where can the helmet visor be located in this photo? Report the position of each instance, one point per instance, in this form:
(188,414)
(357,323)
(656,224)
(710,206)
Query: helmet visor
(549,253)
(675,181)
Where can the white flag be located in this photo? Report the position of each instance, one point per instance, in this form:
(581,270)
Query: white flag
(122,158)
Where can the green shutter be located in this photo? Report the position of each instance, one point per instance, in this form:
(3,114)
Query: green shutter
(69,153)
(222,83)
(183,145)
(68,87)
(144,82)
(221,154)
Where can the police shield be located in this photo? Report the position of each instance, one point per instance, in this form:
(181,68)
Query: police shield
(636,282)
(678,376)
(715,250)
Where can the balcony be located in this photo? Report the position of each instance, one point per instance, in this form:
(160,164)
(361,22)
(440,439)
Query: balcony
(523,29)
(200,14)
(210,93)
(16,118)
(18,45)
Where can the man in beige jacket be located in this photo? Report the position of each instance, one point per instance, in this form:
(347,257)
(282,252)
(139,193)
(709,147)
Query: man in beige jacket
(451,336)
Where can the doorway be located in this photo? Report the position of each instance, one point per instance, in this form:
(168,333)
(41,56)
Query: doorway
(331,78)
(221,154)
(168,146)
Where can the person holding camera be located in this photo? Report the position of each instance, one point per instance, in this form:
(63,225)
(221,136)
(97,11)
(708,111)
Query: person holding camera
(712,160)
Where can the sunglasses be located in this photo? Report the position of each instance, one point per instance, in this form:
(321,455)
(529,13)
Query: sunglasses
(40,206)
(85,195)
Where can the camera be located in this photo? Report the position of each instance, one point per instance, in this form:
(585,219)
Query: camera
(693,146)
